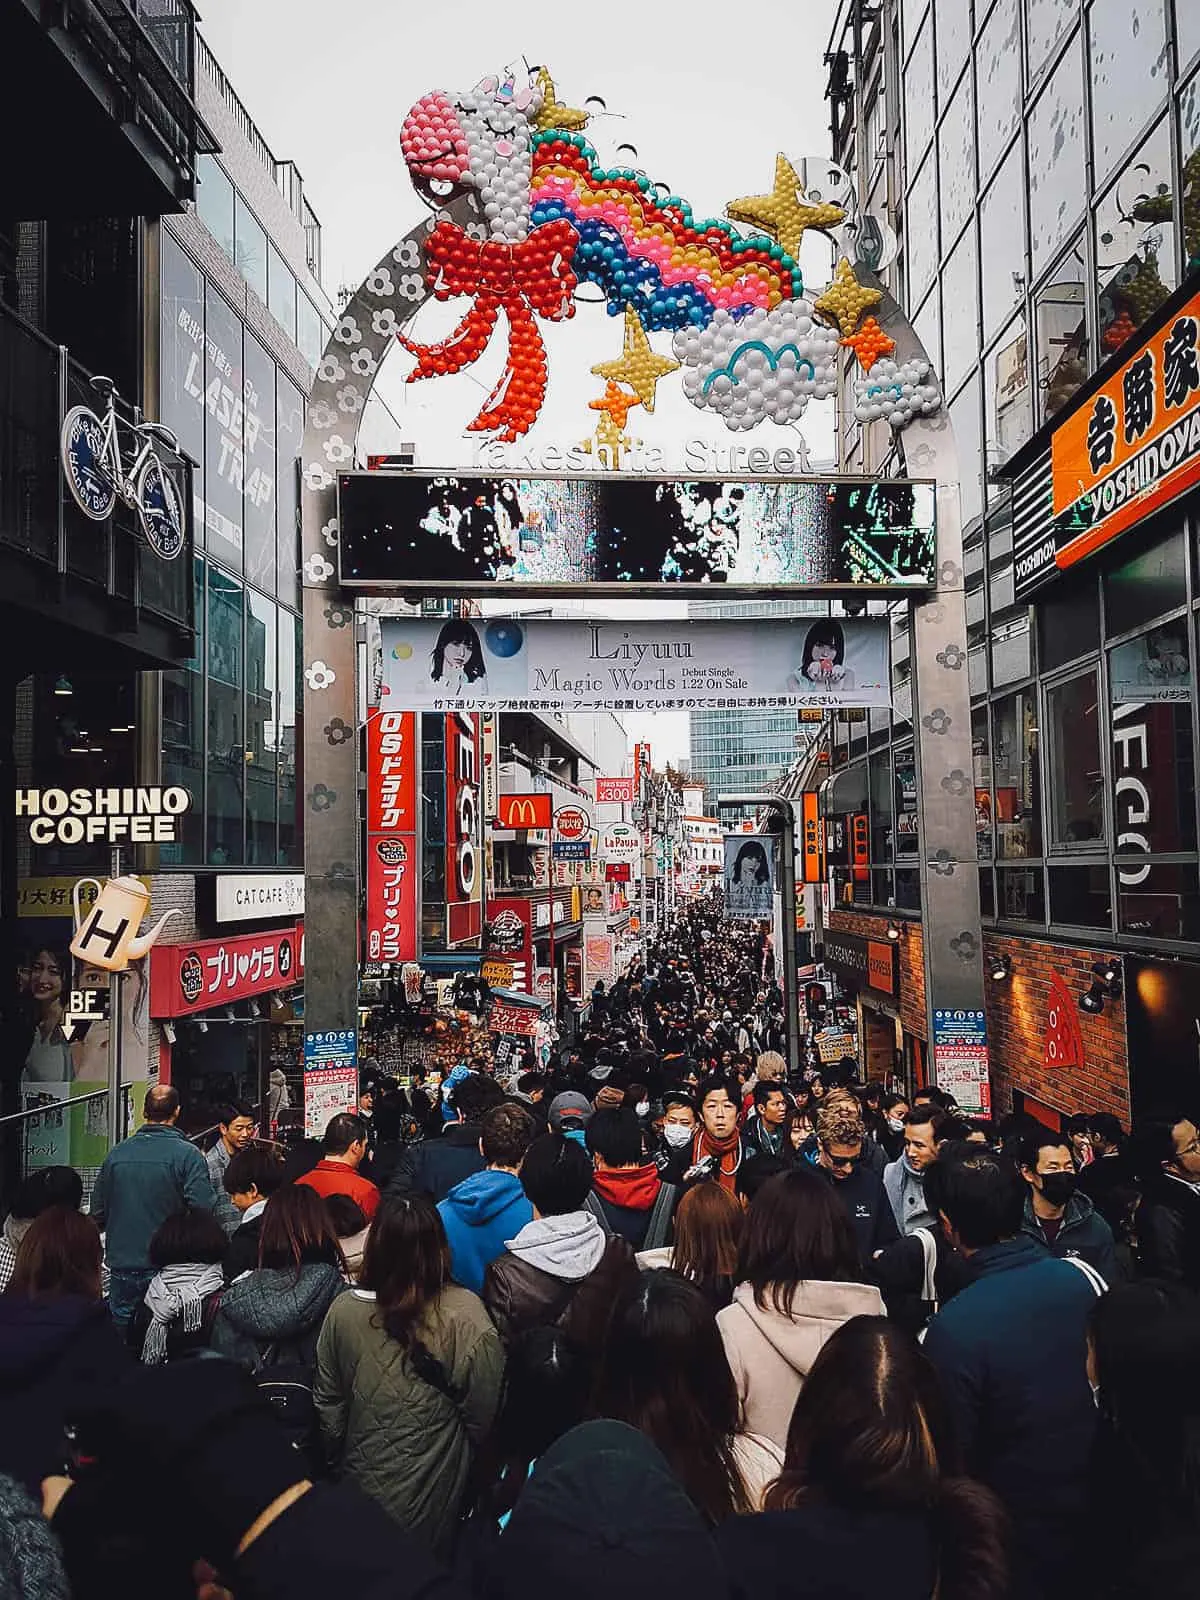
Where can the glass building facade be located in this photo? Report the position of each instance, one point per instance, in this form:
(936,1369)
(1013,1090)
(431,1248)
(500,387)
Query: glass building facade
(1043,160)
(743,750)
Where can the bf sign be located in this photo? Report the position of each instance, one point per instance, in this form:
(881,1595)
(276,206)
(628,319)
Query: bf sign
(106,939)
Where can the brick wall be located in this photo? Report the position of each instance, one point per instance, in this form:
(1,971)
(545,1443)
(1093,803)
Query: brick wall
(910,961)
(1017,1012)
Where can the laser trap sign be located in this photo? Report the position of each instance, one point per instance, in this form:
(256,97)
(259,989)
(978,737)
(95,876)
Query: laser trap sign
(471,533)
(507,665)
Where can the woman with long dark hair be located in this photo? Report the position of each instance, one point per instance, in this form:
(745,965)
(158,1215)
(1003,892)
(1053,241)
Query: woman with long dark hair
(408,1374)
(457,657)
(868,1502)
(50,1058)
(272,1316)
(799,1280)
(663,1370)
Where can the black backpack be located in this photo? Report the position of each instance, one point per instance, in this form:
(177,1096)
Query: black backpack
(288,1385)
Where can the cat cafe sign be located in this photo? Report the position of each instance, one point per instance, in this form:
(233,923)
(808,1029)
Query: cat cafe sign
(113,816)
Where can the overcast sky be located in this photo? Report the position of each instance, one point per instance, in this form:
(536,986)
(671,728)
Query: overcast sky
(706,93)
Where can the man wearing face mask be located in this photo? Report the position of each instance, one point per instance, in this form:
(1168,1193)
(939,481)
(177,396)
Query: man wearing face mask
(677,1131)
(1056,1214)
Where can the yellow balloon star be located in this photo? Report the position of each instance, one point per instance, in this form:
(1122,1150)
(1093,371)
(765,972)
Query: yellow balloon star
(638,365)
(846,299)
(782,213)
(553,113)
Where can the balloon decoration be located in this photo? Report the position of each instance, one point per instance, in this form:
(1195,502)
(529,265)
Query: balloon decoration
(896,393)
(751,344)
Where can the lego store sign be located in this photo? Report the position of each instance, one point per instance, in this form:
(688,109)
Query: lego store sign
(1130,448)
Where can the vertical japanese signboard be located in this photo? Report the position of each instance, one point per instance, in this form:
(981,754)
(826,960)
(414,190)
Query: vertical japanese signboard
(330,1078)
(393,857)
(810,836)
(960,1058)
(464,831)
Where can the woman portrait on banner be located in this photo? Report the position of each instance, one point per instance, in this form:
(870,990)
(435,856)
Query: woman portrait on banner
(457,660)
(823,661)
(749,883)
(49,986)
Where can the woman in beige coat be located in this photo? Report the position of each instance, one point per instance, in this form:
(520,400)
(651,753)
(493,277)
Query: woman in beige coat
(408,1375)
(799,1280)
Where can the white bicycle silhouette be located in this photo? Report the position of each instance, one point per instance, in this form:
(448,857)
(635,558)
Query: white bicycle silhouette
(95,471)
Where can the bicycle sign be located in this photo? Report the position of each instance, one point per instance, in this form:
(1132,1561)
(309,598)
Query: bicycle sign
(94,466)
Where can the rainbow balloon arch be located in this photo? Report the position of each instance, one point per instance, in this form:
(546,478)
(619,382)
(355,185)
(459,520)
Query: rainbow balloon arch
(525,216)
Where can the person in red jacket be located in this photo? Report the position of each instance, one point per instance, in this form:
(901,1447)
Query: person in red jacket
(344,1150)
(627,1197)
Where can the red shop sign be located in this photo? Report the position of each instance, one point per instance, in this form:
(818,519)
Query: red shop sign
(393,866)
(618,872)
(213,972)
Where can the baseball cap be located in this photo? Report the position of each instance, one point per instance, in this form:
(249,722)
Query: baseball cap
(569,1107)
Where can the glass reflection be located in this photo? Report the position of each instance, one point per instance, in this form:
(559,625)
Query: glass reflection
(1016,798)
(1129,74)
(1002,243)
(960,317)
(1135,242)
(918,96)
(956,156)
(998,76)
(1189,140)
(1060,331)
(1045,23)
(1057,182)
(920,228)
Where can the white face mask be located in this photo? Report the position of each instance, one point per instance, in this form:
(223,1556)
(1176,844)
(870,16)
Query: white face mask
(677,1134)
(895,1124)
(642,1108)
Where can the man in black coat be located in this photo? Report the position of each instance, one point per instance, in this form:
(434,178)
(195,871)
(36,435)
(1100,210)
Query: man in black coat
(841,1141)
(1169,1217)
(436,1165)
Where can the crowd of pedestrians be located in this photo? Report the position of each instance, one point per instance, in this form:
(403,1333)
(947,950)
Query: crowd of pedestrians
(660,1318)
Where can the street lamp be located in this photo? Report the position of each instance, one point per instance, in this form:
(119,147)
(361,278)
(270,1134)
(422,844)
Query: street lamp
(782,810)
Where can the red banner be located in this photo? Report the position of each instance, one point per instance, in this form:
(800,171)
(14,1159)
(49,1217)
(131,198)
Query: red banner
(618,872)
(516,811)
(616,791)
(510,939)
(393,856)
(512,1019)
(185,978)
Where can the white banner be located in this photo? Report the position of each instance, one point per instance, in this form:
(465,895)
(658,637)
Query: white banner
(507,664)
(749,876)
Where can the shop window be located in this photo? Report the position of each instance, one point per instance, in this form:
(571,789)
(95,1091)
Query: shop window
(1187,30)
(907,838)
(262,728)
(1074,764)
(289,437)
(1135,242)
(1189,144)
(881,806)
(908,889)
(1016,796)
(281,292)
(1080,897)
(181,360)
(1128,47)
(981,760)
(1057,158)
(998,80)
(927,325)
(920,210)
(215,202)
(1146,584)
(226,752)
(290,697)
(259,485)
(251,254)
(1020,895)
(183,761)
(1002,243)
(956,156)
(964,413)
(1163,904)
(1060,332)
(224,423)
(1011,654)
(918,96)
(1153,771)
(977,660)
(1046,22)
(960,312)
(883,887)
(987,893)
(1068,620)
(1007,402)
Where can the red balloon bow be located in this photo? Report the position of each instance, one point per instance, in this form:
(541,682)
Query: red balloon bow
(533,276)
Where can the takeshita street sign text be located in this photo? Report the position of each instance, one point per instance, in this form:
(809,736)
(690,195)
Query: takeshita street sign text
(469,533)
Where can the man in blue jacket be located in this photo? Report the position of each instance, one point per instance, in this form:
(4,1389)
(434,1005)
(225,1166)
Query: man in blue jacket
(485,1210)
(1011,1352)
(143,1181)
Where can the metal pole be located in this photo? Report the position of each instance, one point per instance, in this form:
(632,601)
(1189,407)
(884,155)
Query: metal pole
(787,837)
(116,1110)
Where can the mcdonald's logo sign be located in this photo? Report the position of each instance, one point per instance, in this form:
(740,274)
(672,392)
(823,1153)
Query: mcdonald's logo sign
(524,811)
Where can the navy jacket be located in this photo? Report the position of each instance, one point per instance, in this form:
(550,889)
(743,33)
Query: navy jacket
(1084,1233)
(1011,1352)
(437,1165)
(869,1209)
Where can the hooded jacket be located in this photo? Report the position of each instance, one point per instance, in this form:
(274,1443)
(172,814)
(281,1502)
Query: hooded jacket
(559,1271)
(53,1354)
(275,1313)
(770,1354)
(480,1215)
(1083,1233)
(627,1196)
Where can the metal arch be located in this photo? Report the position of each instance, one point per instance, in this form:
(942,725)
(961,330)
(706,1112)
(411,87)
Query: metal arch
(364,335)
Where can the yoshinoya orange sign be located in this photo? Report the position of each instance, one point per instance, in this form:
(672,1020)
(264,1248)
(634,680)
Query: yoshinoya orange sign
(1130,448)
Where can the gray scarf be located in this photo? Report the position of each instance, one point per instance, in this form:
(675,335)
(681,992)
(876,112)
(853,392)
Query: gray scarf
(177,1294)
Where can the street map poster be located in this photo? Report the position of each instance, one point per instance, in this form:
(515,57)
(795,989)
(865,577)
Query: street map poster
(749,876)
(506,664)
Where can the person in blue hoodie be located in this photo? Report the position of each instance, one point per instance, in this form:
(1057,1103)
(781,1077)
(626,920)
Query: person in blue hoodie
(487,1208)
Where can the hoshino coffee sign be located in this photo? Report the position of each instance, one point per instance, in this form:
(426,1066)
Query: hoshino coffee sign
(109,816)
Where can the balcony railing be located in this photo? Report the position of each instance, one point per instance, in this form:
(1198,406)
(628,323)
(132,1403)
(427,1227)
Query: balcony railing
(39,519)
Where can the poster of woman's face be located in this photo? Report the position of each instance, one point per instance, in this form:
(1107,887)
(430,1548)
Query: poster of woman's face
(749,876)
